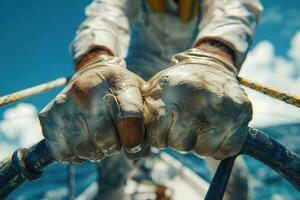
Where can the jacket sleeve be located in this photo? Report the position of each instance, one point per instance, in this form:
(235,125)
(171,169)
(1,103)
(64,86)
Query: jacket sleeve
(231,22)
(106,25)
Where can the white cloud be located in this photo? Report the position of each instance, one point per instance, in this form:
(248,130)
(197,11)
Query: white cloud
(277,197)
(272,15)
(21,127)
(263,66)
(294,52)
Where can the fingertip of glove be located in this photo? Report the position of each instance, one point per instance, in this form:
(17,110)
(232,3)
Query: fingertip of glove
(131,134)
(131,131)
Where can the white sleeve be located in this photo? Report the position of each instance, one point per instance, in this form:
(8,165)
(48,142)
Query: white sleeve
(231,22)
(106,25)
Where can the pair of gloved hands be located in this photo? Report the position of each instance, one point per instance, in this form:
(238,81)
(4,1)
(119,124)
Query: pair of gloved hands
(195,105)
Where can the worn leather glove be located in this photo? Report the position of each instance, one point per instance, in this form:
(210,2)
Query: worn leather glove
(99,111)
(197,105)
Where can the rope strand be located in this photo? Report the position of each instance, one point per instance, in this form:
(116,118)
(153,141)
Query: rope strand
(15,96)
(272,92)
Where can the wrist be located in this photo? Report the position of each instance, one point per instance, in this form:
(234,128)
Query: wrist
(217,48)
(199,56)
(90,56)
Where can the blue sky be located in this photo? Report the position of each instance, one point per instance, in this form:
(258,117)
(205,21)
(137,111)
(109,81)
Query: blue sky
(34,42)
(279,22)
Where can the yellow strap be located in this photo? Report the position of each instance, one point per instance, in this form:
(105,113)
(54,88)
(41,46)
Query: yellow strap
(188,9)
(157,5)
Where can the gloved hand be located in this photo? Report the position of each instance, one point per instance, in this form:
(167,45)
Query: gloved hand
(99,110)
(197,105)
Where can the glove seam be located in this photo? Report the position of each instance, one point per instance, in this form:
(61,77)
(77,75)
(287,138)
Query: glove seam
(104,61)
(193,55)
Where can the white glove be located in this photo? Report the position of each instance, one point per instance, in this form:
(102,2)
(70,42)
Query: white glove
(197,105)
(97,113)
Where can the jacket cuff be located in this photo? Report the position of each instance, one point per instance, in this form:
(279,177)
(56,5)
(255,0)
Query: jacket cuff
(238,46)
(86,41)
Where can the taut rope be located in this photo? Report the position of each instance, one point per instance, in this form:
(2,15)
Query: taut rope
(15,96)
(272,92)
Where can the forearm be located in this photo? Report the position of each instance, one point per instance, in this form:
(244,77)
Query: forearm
(230,22)
(218,48)
(90,56)
(105,30)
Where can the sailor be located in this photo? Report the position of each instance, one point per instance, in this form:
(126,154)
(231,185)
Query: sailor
(126,95)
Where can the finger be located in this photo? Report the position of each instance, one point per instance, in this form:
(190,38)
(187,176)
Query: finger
(81,140)
(131,136)
(96,123)
(182,134)
(146,150)
(50,129)
(52,124)
(127,112)
(104,133)
(158,118)
(76,131)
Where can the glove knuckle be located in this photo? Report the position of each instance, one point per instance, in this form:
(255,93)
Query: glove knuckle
(185,143)
(247,111)
(84,89)
(107,142)
(84,85)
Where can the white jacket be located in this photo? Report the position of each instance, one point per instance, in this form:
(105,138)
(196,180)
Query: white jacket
(155,37)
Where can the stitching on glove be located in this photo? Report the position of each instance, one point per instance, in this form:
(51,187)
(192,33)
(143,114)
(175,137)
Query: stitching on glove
(101,61)
(193,55)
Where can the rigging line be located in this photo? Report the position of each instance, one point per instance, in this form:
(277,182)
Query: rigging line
(71,182)
(15,96)
(272,92)
(269,113)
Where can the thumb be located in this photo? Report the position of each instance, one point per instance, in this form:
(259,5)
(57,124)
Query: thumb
(126,109)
